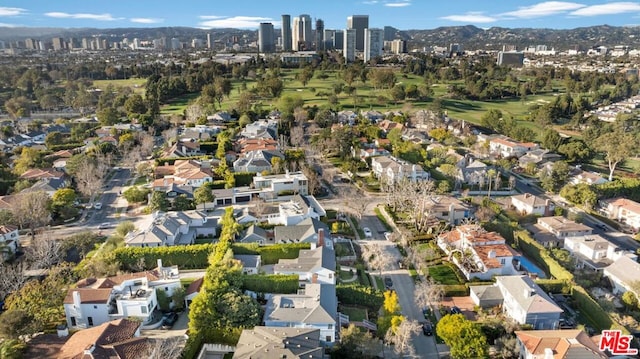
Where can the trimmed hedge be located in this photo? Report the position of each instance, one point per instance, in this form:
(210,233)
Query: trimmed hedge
(185,257)
(591,309)
(243,178)
(271,254)
(554,286)
(66,146)
(356,294)
(540,255)
(171,160)
(273,283)
(456,290)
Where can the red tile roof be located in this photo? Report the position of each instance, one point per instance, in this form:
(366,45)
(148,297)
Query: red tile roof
(109,340)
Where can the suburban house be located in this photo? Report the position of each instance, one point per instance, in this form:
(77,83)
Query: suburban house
(261,129)
(256,161)
(593,251)
(551,344)
(623,274)
(562,227)
(36,174)
(624,211)
(312,265)
(173,228)
(528,203)
(254,234)
(315,307)
(10,238)
(279,342)
(478,253)
(117,339)
(96,301)
(182,148)
(289,183)
(192,291)
(48,185)
(522,300)
(244,145)
(184,172)
(393,170)
(591,178)
(250,263)
(449,209)
(308,231)
(388,125)
(537,157)
(297,210)
(506,147)
(468,170)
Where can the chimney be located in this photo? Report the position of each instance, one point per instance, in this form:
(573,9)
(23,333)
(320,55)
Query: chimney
(314,278)
(159,264)
(88,351)
(492,254)
(452,214)
(76,299)
(529,292)
(320,237)
(548,353)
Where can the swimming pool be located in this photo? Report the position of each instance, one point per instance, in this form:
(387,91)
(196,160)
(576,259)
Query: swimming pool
(528,266)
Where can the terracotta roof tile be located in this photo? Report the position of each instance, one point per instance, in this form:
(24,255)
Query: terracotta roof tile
(89,295)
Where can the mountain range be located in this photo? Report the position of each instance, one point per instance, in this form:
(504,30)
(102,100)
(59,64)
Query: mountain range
(471,37)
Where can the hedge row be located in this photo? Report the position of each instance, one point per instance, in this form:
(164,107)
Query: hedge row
(455,290)
(539,254)
(554,286)
(243,178)
(171,160)
(356,294)
(66,146)
(271,254)
(185,257)
(274,283)
(591,309)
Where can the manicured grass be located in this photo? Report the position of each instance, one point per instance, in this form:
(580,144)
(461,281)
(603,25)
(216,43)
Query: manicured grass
(429,251)
(382,219)
(345,274)
(137,85)
(356,314)
(379,282)
(203,240)
(343,249)
(141,180)
(443,274)
(178,105)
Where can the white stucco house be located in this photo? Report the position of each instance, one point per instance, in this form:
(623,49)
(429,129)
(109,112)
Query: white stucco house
(623,273)
(173,228)
(528,203)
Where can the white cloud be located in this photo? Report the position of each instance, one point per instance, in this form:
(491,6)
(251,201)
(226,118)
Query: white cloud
(470,17)
(146,20)
(398,4)
(370,2)
(210,17)
(2,24)
(608,9)
(97,17)
(11,11)
(237,22)
(544,9)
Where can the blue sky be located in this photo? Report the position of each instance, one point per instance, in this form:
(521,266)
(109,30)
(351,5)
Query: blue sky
(402,14)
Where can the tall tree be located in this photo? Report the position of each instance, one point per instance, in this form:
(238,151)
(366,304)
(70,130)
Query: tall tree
(31,210)
(617,147)
(401,337)
(464,338)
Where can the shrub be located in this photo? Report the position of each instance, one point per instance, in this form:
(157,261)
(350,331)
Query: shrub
(243,178)
(276,283)
(187,257)
(356,294)
(271,254)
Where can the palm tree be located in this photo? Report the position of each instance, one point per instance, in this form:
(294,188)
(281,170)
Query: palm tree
(490,174)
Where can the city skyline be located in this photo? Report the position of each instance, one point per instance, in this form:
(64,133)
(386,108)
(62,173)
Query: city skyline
(248,14)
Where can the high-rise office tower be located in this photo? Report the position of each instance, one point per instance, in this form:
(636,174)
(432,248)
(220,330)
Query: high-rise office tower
(302,34)
(349,50)
(266,38)
(398,46)
(389,33)
(286,33)
(58,43)
(338,39)
(358,23)
(373,43)
(319,35)
(209,43)
(328,39)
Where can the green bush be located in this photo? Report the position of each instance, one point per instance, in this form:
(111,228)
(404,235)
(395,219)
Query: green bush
(185,257)
(455,290)
(171,160)
(243,178)
(275,283)
(591,309)
(66,146)
(271,254)
(356,294)
(554,286)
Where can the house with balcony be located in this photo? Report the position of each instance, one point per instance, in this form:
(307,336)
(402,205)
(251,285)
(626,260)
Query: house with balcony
(624,211)
(317,265)
(393,170)
(522,300)
(273,186)
(315,307)
(550,344)
(528,203)
(297,210)
(507,147)
(96,301)
(562,227)
(478,253)
(173,228)
(593,251)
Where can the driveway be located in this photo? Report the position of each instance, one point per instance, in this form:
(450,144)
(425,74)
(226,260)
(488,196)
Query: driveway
(179,329)
(465,304)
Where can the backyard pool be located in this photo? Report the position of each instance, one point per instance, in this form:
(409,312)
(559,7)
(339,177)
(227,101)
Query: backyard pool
(528,266)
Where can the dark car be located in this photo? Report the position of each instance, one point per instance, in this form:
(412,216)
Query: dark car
(455,310)
(169,320)
(427,328)
(388,282)
(425,312)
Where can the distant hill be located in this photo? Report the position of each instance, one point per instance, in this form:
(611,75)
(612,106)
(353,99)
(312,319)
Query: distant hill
(471,37)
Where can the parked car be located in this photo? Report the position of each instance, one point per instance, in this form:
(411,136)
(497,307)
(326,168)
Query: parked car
(367,232)
(455,310)
(169,320)
(426,312)
(97,205)
(427,328)
(388,282)
(104,225)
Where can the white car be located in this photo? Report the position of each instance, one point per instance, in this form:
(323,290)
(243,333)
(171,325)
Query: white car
(97,205)
(367,232)
(104,226)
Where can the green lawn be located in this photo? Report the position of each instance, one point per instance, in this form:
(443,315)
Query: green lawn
(178,105)
(137,85)
(379,282)
(443,274)
(345,274)
(141,180)
(355,314)
(382,219)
